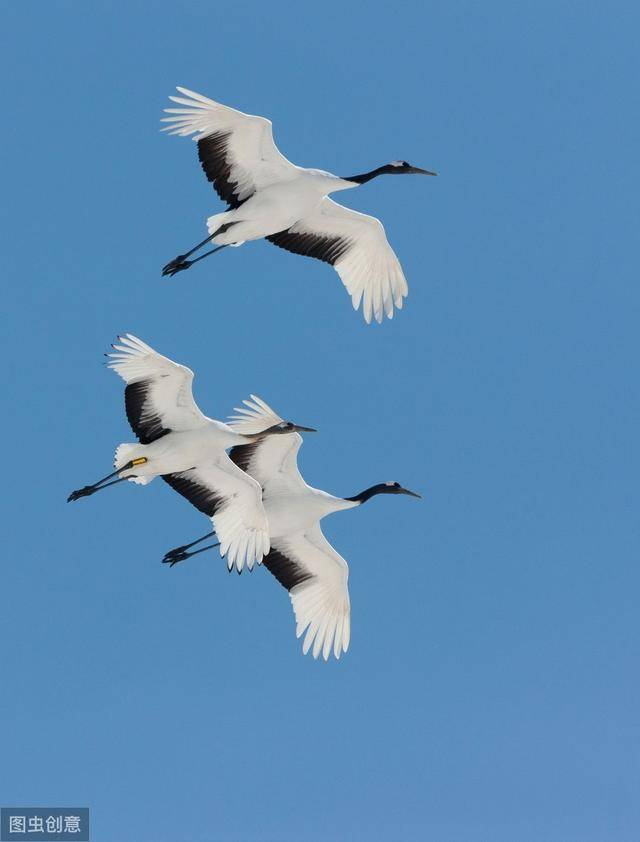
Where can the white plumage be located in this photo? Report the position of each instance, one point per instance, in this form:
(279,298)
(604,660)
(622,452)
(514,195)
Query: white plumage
(269,197)
(301,558)
(369,268)
(187,449)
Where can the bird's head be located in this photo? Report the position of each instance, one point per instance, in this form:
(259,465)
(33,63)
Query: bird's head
(395,488)
(405,168)
(381,488)
(284,427)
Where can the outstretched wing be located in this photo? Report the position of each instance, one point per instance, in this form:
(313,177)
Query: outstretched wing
(272,461)
(233,501)
(236,150)
(357,247)
(316,577)
(158,396)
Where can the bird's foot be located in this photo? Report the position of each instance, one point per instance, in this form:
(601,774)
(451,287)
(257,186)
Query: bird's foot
(174,556)
(176,551)
(87,491)
(176,265)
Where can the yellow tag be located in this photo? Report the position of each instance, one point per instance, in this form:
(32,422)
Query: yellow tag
(139,461)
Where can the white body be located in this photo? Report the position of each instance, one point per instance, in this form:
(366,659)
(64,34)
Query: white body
(277,207)
(299,509)
(177,452)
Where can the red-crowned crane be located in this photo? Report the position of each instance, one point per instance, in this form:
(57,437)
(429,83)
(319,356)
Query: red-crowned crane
(300,558)
(188,450)
(271,198)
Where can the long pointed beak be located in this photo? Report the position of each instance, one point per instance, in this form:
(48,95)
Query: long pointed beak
(298,429)
(411,493)
(418,171)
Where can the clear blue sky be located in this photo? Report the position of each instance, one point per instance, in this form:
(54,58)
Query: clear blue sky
(491,691)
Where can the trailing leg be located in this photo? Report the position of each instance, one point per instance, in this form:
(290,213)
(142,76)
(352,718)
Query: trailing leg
(88,490)
(180,263)
(184,547)
(180,553)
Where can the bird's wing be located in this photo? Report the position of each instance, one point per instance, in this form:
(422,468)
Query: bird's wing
(233,501)
(271,461)
(236,150)
(357,247)
(158,396)
(316,577)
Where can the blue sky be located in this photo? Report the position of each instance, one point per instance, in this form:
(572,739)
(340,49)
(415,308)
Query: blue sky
(491,690)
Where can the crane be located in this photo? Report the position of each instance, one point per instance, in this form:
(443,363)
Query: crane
(188,450)
(269,197)
(300,557)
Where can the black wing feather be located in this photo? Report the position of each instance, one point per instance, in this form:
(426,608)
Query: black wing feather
(145,423)
(326,248)
(203,498)
(212,152)
(242,454)
(288,572)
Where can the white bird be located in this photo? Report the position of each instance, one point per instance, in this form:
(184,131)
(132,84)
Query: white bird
(269,197)
(188,450)
(300,558)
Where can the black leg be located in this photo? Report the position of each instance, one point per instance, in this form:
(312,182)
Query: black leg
(88,490)
(184,547)
(179,264)
(207,253)
(184,256)
(102,483)
(199,246)
(174,556)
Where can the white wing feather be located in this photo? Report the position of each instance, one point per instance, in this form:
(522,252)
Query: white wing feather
(253,159)
(241,525)
(368,268)
(254,417)
(169,385)
(320,603)
(239,519)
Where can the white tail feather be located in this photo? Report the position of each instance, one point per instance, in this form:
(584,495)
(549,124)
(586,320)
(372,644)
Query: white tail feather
(214,222)
(125,453)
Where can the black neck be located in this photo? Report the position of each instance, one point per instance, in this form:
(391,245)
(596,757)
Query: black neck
(366,176)
(368,493)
